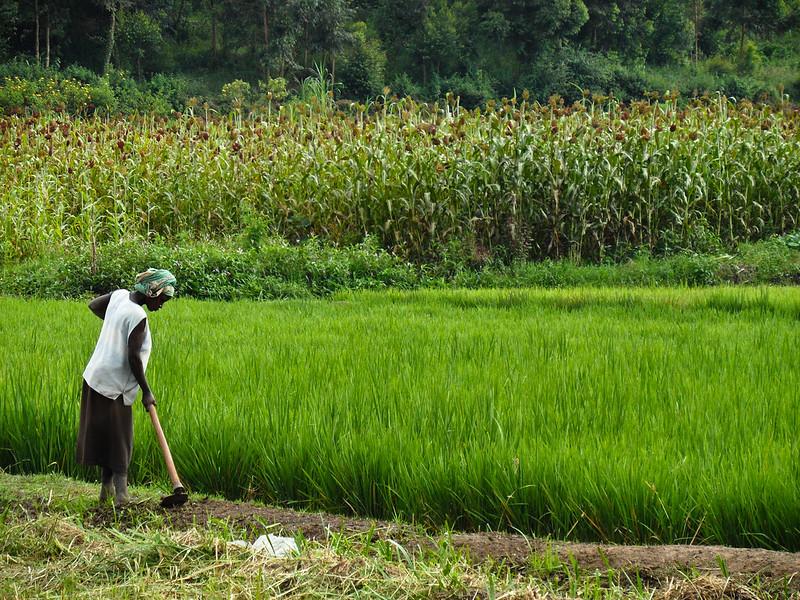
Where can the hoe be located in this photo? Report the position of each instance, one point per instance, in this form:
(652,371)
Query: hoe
(179,495)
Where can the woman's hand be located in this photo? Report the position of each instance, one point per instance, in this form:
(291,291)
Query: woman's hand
(148,400)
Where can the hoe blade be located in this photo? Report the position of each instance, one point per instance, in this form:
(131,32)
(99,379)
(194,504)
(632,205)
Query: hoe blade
(177,498)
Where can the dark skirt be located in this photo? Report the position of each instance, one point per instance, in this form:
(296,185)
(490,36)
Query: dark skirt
(105,433)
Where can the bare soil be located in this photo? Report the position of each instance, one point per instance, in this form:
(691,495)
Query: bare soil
(515,550)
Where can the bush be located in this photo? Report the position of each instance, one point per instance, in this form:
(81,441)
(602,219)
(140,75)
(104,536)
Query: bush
(23,69)
(236,94)
(17,94)
(76,89)
(363,66)
(170,88)
(749,59)
(142,98)
(569,70)
(474,89)
(775,260)
(275,269)
(102,96)
(720,65)
(79,73)
(274,89)
(216,271)
(404,87)
(741,87)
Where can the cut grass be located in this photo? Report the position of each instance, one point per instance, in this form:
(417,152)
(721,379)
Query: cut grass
(55,551)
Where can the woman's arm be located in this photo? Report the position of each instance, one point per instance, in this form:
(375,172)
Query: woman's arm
(99,305)
(135,341)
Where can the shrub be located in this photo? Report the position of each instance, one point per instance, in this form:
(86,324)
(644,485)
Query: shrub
(219,271)
(274,89)
(277,269)
(569,70)
(24,69)
(80,73)
(236,94)
(17,94)
(749,59)
(741,87)
(363,65)
(170,88)
(404,87)
(720,65)
(474,89)
(102,96)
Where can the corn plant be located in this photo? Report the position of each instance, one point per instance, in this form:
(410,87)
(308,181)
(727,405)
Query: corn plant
(516,179)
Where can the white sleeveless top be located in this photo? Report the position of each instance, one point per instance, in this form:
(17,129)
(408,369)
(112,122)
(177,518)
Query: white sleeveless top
(108,372)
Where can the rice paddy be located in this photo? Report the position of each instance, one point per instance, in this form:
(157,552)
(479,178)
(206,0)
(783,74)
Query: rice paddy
(644,416)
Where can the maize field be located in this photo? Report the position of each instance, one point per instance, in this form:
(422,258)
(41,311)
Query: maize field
(516,180)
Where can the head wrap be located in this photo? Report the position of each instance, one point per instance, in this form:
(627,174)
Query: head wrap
(155,282)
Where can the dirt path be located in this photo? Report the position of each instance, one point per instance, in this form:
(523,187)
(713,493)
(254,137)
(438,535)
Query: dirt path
(651,561)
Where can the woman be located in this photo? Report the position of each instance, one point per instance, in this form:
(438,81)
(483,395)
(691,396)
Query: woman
(113,377)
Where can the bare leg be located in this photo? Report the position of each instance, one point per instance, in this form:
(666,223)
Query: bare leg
(106,484)
(121,487)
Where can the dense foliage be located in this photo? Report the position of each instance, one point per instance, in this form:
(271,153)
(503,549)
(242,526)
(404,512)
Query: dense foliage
(237,270)
(477,49)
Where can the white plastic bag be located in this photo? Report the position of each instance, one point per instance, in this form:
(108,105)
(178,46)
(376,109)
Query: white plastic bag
(272,545)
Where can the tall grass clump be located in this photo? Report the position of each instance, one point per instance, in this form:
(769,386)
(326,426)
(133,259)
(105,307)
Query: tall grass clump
(627,415)
(515,180)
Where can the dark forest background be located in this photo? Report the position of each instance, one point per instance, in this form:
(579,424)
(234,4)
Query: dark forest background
(477,49)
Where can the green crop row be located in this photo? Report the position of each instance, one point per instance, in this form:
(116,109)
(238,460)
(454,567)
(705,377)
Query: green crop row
(516,181)
(637,416)
(273,269)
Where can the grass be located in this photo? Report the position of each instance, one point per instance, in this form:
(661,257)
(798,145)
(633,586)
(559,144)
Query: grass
(649,416)
(58,551)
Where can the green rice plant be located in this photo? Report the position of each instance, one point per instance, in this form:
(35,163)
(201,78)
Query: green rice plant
(648,416)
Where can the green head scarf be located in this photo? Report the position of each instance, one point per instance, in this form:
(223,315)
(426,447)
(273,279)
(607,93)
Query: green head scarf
(155,282)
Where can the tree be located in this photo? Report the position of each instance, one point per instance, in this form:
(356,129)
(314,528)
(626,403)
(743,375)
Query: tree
(281,31)
(397,23)
(363,65)
(334,31)
(747,16)
(56,16)
(212,8)
(493,51)
(36,14)
(438,42)
(673,33)
(9,12)
(112,7)
(698,10)
(538,24)
(625,27)
(139,37)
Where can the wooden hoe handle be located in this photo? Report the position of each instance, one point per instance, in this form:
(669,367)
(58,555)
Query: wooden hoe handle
(173,474)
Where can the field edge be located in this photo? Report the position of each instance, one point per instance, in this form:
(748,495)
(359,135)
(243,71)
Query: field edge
(396,558)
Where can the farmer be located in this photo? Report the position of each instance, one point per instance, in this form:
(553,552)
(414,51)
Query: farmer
(113,377)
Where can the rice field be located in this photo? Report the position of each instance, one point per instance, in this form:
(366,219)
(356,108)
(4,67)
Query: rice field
(514,180)
(645,416)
